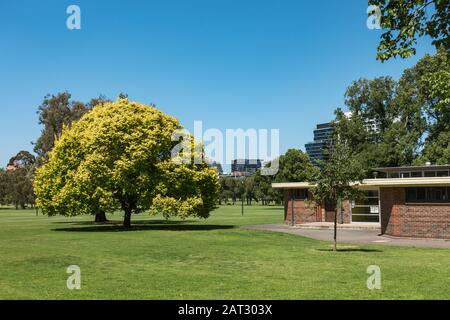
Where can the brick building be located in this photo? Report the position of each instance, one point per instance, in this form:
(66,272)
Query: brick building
(403,202)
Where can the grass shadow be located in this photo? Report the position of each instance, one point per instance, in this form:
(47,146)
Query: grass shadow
(351,250)
(145,227)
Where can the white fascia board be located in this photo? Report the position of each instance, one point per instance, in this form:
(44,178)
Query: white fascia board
(376,183)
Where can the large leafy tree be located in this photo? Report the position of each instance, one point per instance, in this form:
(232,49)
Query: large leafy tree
(263,189)
(390,119)
(55,112)
(3,187)
(412,116)
(16,183)
(19,188)
(294,166)
(229,188)
(406,20)
(383,129)
(118,155)
(372,99)
(432,88)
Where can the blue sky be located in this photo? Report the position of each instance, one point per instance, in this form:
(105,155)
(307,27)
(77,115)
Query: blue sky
(232,64)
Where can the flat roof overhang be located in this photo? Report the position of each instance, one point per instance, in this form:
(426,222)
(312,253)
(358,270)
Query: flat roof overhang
(292,185)
(413,168)
(406,182)
(377,183)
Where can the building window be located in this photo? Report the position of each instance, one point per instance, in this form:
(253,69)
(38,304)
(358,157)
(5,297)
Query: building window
(428,195)
(442,173)
(430,173)
(394,175)
(405,174)
(300,194)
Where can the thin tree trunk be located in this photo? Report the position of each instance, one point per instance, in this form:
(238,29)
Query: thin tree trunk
(335,231)
(336,213)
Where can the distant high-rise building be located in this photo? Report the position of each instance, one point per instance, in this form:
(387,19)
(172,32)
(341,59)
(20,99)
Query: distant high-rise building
(322,135)
(372,125)
(245,167)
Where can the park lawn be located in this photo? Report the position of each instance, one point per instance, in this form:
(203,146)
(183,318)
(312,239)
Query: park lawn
(202,259)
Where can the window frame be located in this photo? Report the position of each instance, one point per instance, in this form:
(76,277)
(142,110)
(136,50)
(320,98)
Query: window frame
(412,195)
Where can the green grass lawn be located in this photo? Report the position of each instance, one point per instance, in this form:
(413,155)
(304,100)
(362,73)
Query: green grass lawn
(208,259)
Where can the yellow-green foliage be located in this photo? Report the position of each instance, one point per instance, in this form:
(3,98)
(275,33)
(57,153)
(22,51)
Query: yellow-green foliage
(118,156)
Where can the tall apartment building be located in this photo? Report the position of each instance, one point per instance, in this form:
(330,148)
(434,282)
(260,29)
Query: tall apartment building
(322,134)
(317,149)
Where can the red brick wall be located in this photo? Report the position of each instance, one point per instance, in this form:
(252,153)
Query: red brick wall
(307,212)
(411,219)
(304,211)
(346,211)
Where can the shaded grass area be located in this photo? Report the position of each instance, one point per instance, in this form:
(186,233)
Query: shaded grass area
(202,259)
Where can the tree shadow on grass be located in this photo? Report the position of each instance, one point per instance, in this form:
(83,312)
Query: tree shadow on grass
(351,250)
(119,222)
(136,226)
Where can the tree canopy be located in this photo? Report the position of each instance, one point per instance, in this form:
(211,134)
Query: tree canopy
(294,166)
(16,183)
(405,122)
(55,112)
(118,155)
(433,90)
(405,21)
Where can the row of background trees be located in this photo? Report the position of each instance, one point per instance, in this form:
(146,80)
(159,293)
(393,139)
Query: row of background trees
(294,165)
(413,113)
(412,117)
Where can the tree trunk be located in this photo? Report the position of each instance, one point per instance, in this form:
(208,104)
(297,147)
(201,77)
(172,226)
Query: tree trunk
(100,217)
(335,231)
(127,219)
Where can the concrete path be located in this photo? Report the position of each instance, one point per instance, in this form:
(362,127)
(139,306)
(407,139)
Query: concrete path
(353,236)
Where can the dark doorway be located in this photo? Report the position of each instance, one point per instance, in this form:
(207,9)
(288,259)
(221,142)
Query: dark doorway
(329,212)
